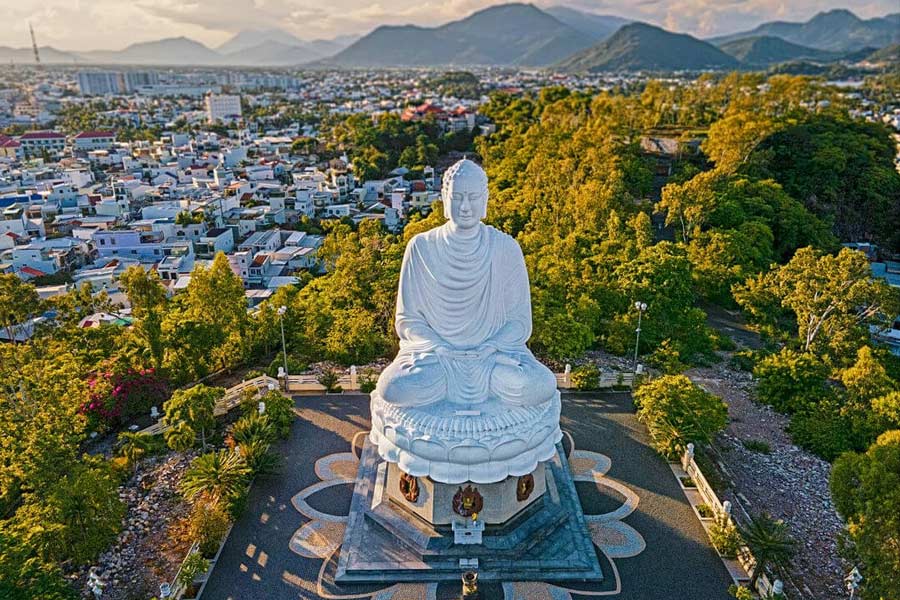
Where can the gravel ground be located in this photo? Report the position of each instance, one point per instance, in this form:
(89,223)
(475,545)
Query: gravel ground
(145,552)
(787,482)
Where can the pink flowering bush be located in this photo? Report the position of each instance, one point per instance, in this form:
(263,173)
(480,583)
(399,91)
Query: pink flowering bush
(127,393)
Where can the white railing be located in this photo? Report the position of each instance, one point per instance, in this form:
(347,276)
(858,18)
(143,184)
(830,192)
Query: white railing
(260,385)
(764,586)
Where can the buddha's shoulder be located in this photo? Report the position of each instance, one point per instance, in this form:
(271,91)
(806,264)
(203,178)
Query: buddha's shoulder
(503,241)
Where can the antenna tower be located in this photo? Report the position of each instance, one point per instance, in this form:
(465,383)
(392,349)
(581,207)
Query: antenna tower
(37,56)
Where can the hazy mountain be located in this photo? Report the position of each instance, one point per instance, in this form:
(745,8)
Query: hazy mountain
(49,54)
(251,38)
(888,54)
(766,50)
(170,51)
(597,26)
(272,53)
(332,46)
(507,34)
(836,30)
(639,46)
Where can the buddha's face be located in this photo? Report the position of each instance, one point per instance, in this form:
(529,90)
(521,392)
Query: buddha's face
(467,204)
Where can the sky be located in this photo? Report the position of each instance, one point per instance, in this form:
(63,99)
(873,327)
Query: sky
(113,24)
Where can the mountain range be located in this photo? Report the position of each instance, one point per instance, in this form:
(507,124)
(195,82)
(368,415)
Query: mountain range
(519,35)
(837,30)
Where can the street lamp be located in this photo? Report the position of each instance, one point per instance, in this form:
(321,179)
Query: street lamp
(281,310)
(641,307)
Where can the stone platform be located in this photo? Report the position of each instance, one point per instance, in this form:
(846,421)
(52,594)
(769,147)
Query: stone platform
(384,542)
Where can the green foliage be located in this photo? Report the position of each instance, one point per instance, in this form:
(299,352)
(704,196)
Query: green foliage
(705,511)
(667,359)
(367,381)
(740,592)
(821,303)
(24,576)
(207,328)
(823,428)
(725,537)
(215,477)
(294,365)
(279,413)
(865,491)
(329,379)
(193,567)
(252,427)
(259,459)
(790,380)
(677,412)
(842,169)
(586,377)
(208,525)
(134,446)
(769,541)
(760,446)
(79,516)
(18,302)
(189,413)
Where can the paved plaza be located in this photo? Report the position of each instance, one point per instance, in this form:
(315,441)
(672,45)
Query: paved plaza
(650,544)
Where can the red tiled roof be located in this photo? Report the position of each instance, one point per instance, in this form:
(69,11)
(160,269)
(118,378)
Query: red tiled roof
(94,134)
(41,135)
(9,143)
(32,272)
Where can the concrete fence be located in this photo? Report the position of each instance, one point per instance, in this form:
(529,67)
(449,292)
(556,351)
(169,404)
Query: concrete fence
(741,568)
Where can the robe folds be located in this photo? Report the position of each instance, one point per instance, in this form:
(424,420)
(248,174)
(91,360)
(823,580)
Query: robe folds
(460,297)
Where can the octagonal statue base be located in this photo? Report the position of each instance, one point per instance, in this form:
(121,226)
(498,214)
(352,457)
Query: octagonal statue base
(390,538)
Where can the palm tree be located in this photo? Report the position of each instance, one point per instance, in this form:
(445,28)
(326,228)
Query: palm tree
(134,446)
(769,541)
(215,475)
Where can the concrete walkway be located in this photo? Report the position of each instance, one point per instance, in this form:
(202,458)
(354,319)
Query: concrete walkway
(651,544)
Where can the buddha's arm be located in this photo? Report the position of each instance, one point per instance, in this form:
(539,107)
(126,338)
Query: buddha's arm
(516,296)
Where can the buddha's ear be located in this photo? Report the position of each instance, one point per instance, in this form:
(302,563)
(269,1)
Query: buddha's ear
(447,213)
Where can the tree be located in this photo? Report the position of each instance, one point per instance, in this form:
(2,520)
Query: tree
(189,414)
(215,477)
(769,541)
(147,298)
(790,380)
(18,302)
(24,576)
(866,492)
(78,518)
(677,412)
(831,299)
(134,446)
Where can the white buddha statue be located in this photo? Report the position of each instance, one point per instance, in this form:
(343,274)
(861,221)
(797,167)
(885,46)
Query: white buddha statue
(465,400)
(464,311)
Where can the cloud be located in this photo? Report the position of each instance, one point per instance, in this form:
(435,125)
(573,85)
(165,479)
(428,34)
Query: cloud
(92,24)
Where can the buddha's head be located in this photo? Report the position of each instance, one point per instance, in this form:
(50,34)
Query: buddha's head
(465,194)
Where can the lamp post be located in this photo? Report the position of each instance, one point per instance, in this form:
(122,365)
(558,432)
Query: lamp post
(641,307)
(281,311)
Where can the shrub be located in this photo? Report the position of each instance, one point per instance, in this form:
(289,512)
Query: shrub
(790,380)
(823,429)
(115,395)
(193,567)
(740,592)
(252,427)
(329,379)
(687,482)
(258,458)
(745,360)
(676,412)
(705,511)
(586,377)
(367,381)
(725,537)
(280,413)
(208,525)
(667,359)
(760,446)
(295,365)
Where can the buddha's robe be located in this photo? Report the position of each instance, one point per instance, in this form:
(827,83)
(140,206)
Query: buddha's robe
(460,297)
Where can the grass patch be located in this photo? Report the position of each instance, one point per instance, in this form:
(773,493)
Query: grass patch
(760,446)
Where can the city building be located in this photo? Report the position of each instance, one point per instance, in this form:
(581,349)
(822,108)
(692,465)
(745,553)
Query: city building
(223,107)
